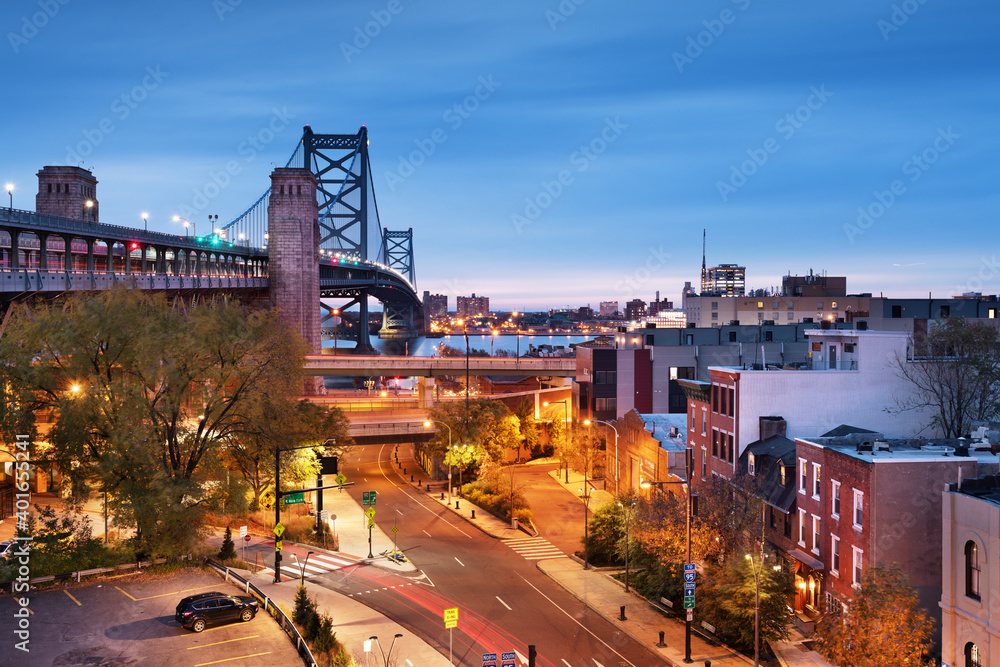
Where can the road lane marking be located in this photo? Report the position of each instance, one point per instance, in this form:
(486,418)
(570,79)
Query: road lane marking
(460,562)
(415,499)
(427,534)
(537,590)
(242,657)
(127,595)
(400,513)
(566,663)
(504,603)
(78,604)
(163,595)
(225,641)
(597,663)
(366,479)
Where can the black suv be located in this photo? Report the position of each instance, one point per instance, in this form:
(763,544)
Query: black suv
(197,611)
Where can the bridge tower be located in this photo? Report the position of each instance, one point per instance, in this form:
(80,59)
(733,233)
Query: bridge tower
(65,191)
(293,254)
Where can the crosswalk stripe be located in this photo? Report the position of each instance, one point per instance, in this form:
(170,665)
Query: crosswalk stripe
(341,562)
(536,548)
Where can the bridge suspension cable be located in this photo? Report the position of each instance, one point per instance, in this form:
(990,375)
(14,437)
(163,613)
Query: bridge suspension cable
(250,227)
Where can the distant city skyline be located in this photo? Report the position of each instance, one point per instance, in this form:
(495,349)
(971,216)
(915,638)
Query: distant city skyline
(549,155)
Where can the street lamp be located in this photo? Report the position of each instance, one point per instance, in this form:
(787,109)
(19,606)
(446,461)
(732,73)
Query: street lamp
(756,613)
(89,213)
(10,193)
(517,333)
(427,424)
(565,435)
(628,520)
(493,340)
(585,492)
(145,219)
(187,223)
(462,459)
(385,656)
(645,484)
(609,425)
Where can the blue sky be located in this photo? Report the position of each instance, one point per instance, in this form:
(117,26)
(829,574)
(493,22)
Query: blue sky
(767,123)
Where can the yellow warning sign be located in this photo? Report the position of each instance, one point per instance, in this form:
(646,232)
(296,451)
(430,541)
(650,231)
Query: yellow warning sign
(277,545)
(279,528)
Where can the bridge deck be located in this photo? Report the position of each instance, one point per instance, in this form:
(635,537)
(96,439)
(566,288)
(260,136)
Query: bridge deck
(352,365)
(19,281)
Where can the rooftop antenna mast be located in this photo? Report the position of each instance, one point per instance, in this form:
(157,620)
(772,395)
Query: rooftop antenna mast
(702,260)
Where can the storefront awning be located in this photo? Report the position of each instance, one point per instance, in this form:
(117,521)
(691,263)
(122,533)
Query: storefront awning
(806,559)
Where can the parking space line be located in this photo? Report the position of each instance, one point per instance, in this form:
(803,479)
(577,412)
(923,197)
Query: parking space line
(242,657)
(190,648)
(127,595)
(78,603)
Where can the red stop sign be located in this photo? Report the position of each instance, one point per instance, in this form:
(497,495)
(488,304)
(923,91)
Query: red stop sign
(246,539)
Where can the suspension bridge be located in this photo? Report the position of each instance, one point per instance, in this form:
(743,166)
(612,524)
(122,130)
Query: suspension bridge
(312,242)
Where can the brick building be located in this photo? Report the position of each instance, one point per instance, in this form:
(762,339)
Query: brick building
(648,447)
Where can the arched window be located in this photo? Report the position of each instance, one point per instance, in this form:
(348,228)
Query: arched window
(972,571)
(972,655)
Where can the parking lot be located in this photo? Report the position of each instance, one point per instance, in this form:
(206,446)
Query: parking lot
(130,621)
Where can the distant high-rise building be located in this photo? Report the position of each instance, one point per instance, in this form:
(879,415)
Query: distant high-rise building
(635,310)
(609,308)
(724,280)
(472,306)
(686,292)
(813,285)
(658,306)
(435,305)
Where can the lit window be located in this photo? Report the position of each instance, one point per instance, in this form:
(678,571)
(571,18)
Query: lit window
(802,528)
(859,511)
(835,555)
(817,479)
(760,304)
(858,562)
(972,570)
(972,656)
(816,538)
(802,476)
(750,463)
(835,495)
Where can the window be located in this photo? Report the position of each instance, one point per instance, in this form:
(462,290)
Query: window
(715,398)
(802,476)
(897,311)
(715,305)
(750,463)
(715,443)
(760,304)
(834,305)
(715,316)
(689,339)
(945,311)
(774,305)
(704,421)
(704,462)
(835,496)
(802,528)
(732,402)
(732,336)
(772,519)
(791,316)
(992,314)
(605,377)
(835,555)
(816,538)
(972,570)
(859,512)
(788,526)
(605,404)
(784,477)
(769,335)
(817,479)
(972,656)
(819,306)
(692,418)
(858,558)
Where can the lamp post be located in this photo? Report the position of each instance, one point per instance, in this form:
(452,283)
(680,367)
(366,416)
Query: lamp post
(385,656)
(586,521)
(517,333)
(756,613)
(88,214)
(145,221)
(688,454)
(565,435)
(462,458)
(427,424)
(336,314)
(493,340)
(628,520)
(10,193)
(609,425)
(187,223)
(302,567)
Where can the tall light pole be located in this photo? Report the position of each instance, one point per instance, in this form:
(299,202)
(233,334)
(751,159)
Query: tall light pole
(586,522)
(566,434)
(145,221)
(628,520)
(688,454)
(756,614)
(302,567)
(517,333)
(427,424)
(187,223)
(10,193)
(385,656)
(609,425)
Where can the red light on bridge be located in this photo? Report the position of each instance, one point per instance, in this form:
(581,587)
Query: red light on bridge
(134,245)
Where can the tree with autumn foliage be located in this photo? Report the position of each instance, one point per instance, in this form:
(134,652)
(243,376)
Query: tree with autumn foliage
(884,624)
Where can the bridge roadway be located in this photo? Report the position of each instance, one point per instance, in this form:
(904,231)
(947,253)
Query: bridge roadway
(351,365)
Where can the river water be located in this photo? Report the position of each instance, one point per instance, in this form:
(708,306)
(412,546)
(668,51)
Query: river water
(427,347)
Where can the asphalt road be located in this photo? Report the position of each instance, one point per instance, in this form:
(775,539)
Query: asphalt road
(504,602)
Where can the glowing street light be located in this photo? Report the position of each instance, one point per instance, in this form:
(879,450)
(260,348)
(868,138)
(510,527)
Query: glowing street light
(187,223)
(10,193)
(145,219)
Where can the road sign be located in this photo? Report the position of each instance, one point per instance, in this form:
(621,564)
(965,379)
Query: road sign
(690,614)
(277,545)
(689,577)
(295,499)
(372,498)
(508,659)
(688,589)
(689,567)
(448,625)
(246,538)
(364,498)
(371,524)
(324,515)
(243,531)
(489,656)
(340,479)
(367,497)
(279,528)
(395,530)
(370,512)
(688,605)
(451,618)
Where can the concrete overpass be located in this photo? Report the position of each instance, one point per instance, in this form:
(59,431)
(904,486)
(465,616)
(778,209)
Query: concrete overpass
(351,365)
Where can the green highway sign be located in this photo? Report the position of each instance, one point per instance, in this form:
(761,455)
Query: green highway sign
(294,499)
(367,497)
(689,602)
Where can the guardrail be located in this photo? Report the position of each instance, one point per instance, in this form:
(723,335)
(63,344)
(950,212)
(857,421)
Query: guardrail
(5,587)
(270,607)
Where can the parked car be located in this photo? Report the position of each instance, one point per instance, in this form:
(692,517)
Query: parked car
(9,547)
(196,612)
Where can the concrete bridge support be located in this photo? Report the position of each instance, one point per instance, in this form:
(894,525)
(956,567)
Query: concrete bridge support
(293,248)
